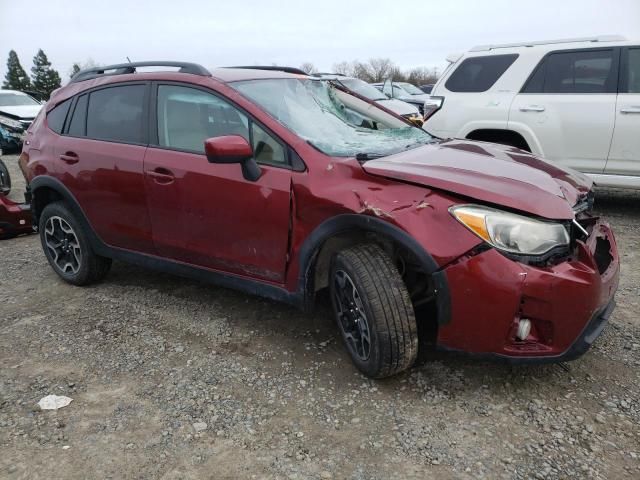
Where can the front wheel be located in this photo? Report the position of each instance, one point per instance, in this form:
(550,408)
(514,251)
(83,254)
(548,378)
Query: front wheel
(67,247)
(373,310)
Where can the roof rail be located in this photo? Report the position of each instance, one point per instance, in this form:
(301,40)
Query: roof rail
(601,38)
(315,74)
(123,68)
(274,68)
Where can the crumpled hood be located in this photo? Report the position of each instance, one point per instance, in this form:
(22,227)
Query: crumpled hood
(398,106)
(20,111)
(489,173)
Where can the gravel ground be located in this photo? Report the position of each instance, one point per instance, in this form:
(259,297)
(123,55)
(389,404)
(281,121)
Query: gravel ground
(171,378)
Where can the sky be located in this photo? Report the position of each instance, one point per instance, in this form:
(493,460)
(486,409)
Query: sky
(239,32)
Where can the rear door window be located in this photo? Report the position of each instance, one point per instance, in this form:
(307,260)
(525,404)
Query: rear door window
(478,74)
(78,124)
(587,71)
(117,114)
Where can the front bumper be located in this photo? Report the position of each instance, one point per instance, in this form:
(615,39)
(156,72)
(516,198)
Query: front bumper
(568,303)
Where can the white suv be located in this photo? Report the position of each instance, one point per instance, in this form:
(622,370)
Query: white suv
(575,102)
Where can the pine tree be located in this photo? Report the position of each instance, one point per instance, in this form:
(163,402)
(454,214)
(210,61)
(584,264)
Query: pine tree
(75,69)
(45,79)
(16,78)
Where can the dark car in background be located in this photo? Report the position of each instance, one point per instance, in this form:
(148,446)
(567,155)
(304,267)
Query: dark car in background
(17,111)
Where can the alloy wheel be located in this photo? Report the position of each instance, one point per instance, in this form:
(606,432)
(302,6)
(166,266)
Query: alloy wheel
(351,315)
(63,245)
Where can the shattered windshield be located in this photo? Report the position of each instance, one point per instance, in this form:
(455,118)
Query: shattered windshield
(332,120)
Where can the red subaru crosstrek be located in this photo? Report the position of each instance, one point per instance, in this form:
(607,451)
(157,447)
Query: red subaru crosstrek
(282,185)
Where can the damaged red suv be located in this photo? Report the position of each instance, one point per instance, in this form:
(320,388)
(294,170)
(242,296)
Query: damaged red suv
(282,185)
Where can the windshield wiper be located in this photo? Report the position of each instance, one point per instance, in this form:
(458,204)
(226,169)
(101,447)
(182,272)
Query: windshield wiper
(363,156)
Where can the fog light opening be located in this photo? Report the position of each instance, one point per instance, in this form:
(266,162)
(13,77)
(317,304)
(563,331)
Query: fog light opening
(524,329)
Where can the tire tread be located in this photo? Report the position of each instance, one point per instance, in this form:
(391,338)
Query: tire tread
(391,306)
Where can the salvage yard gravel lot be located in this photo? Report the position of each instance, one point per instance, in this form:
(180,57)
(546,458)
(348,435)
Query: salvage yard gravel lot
(172,378)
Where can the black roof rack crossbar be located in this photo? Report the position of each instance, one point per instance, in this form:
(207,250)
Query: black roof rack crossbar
(297,71)
(123,68)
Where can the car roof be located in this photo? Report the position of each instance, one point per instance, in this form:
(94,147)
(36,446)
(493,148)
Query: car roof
(226,74)
(602,41)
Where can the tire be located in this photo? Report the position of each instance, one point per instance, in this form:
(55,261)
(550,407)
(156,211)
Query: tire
(368,295)
(5,179)
(67,248)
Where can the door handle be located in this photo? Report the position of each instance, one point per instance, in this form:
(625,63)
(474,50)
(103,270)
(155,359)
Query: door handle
(70,158)
(532,108)
(633,109)
(161,175)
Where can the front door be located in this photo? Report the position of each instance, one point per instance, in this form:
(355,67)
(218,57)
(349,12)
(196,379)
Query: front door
(569,105)
(624,157)
(207,214)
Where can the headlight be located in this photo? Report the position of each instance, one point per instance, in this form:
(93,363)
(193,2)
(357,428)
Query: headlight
(9,122)
(510,232)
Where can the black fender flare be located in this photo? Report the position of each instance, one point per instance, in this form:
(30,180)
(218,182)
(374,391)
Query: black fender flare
(45,181)
(357,222)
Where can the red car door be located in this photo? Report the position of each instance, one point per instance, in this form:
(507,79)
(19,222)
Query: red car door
(207,214)
(102,152)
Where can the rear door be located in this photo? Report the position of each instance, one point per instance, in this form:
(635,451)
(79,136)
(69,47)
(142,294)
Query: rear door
(100,157)
(208,214)
(624,157)
(568,104)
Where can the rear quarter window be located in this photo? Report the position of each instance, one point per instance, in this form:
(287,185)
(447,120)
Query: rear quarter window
(57,116)
(478,74)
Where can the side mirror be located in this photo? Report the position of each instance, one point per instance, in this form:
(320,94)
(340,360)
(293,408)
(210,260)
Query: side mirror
(233,149)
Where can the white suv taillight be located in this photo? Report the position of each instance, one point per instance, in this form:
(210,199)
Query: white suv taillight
(431,106)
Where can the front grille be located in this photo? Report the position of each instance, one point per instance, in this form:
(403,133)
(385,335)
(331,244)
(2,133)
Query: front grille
(26,123)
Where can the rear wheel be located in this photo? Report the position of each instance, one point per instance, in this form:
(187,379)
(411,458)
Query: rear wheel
(373,310)
(67,248)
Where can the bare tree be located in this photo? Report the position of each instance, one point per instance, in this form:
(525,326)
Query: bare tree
(422,76)
(380,69)
(362,71)
(308,67)
(343,68)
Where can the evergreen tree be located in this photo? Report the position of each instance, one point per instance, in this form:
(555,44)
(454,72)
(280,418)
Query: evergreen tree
(75,69)
(45,79)
(16,78)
